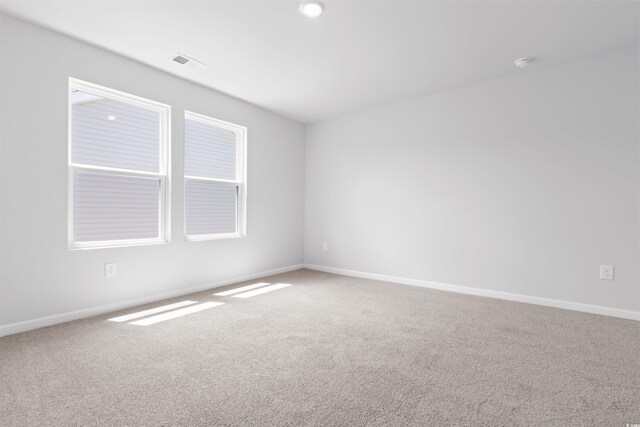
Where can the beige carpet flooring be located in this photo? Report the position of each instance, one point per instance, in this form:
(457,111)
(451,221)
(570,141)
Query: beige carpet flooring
(329,351)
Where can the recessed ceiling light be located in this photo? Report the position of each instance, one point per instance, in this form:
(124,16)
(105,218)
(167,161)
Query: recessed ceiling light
(111,118)
(523,62)
(311,8)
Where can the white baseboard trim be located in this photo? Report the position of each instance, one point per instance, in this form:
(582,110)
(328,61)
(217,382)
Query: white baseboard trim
(567,305)
(40,322)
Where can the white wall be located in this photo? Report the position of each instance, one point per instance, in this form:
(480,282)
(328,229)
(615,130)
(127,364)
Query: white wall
(523,185)
(39,276)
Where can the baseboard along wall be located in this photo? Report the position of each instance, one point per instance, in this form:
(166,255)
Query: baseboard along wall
(548,302)
(28,325)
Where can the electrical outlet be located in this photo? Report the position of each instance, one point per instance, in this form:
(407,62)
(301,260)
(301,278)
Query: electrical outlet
(110,269)
(606,272)
(325,247)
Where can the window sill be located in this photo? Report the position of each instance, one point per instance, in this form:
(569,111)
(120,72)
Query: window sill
(114,244)
(204,237)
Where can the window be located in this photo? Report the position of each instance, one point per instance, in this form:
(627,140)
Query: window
(118,168)
(215,179)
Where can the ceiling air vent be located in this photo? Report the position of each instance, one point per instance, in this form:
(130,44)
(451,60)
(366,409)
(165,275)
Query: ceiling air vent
(188,62)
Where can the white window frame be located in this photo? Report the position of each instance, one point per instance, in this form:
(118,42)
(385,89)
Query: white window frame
(240,182)
(164,171)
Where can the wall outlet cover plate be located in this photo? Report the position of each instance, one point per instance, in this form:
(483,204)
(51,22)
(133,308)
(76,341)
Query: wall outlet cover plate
(606,272)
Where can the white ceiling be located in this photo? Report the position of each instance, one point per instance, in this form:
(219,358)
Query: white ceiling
(358,54)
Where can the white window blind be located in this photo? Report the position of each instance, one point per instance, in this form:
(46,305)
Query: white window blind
(215,187)
(210,207)
(115,207)
(113,134)
(210,152)
(118,168)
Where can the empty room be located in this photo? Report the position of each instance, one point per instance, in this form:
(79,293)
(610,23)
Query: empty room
(319,213)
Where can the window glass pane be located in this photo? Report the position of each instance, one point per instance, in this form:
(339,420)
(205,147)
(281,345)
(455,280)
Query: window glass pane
(115,207)
(210,208)
(210,151)
(110,133)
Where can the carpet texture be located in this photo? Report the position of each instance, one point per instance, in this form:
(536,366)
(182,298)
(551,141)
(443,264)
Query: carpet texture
(329,351)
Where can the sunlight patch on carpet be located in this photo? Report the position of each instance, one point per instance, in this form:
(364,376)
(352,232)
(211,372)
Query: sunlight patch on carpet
(151,311)
(262,290)
(177,313)
(242,289)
